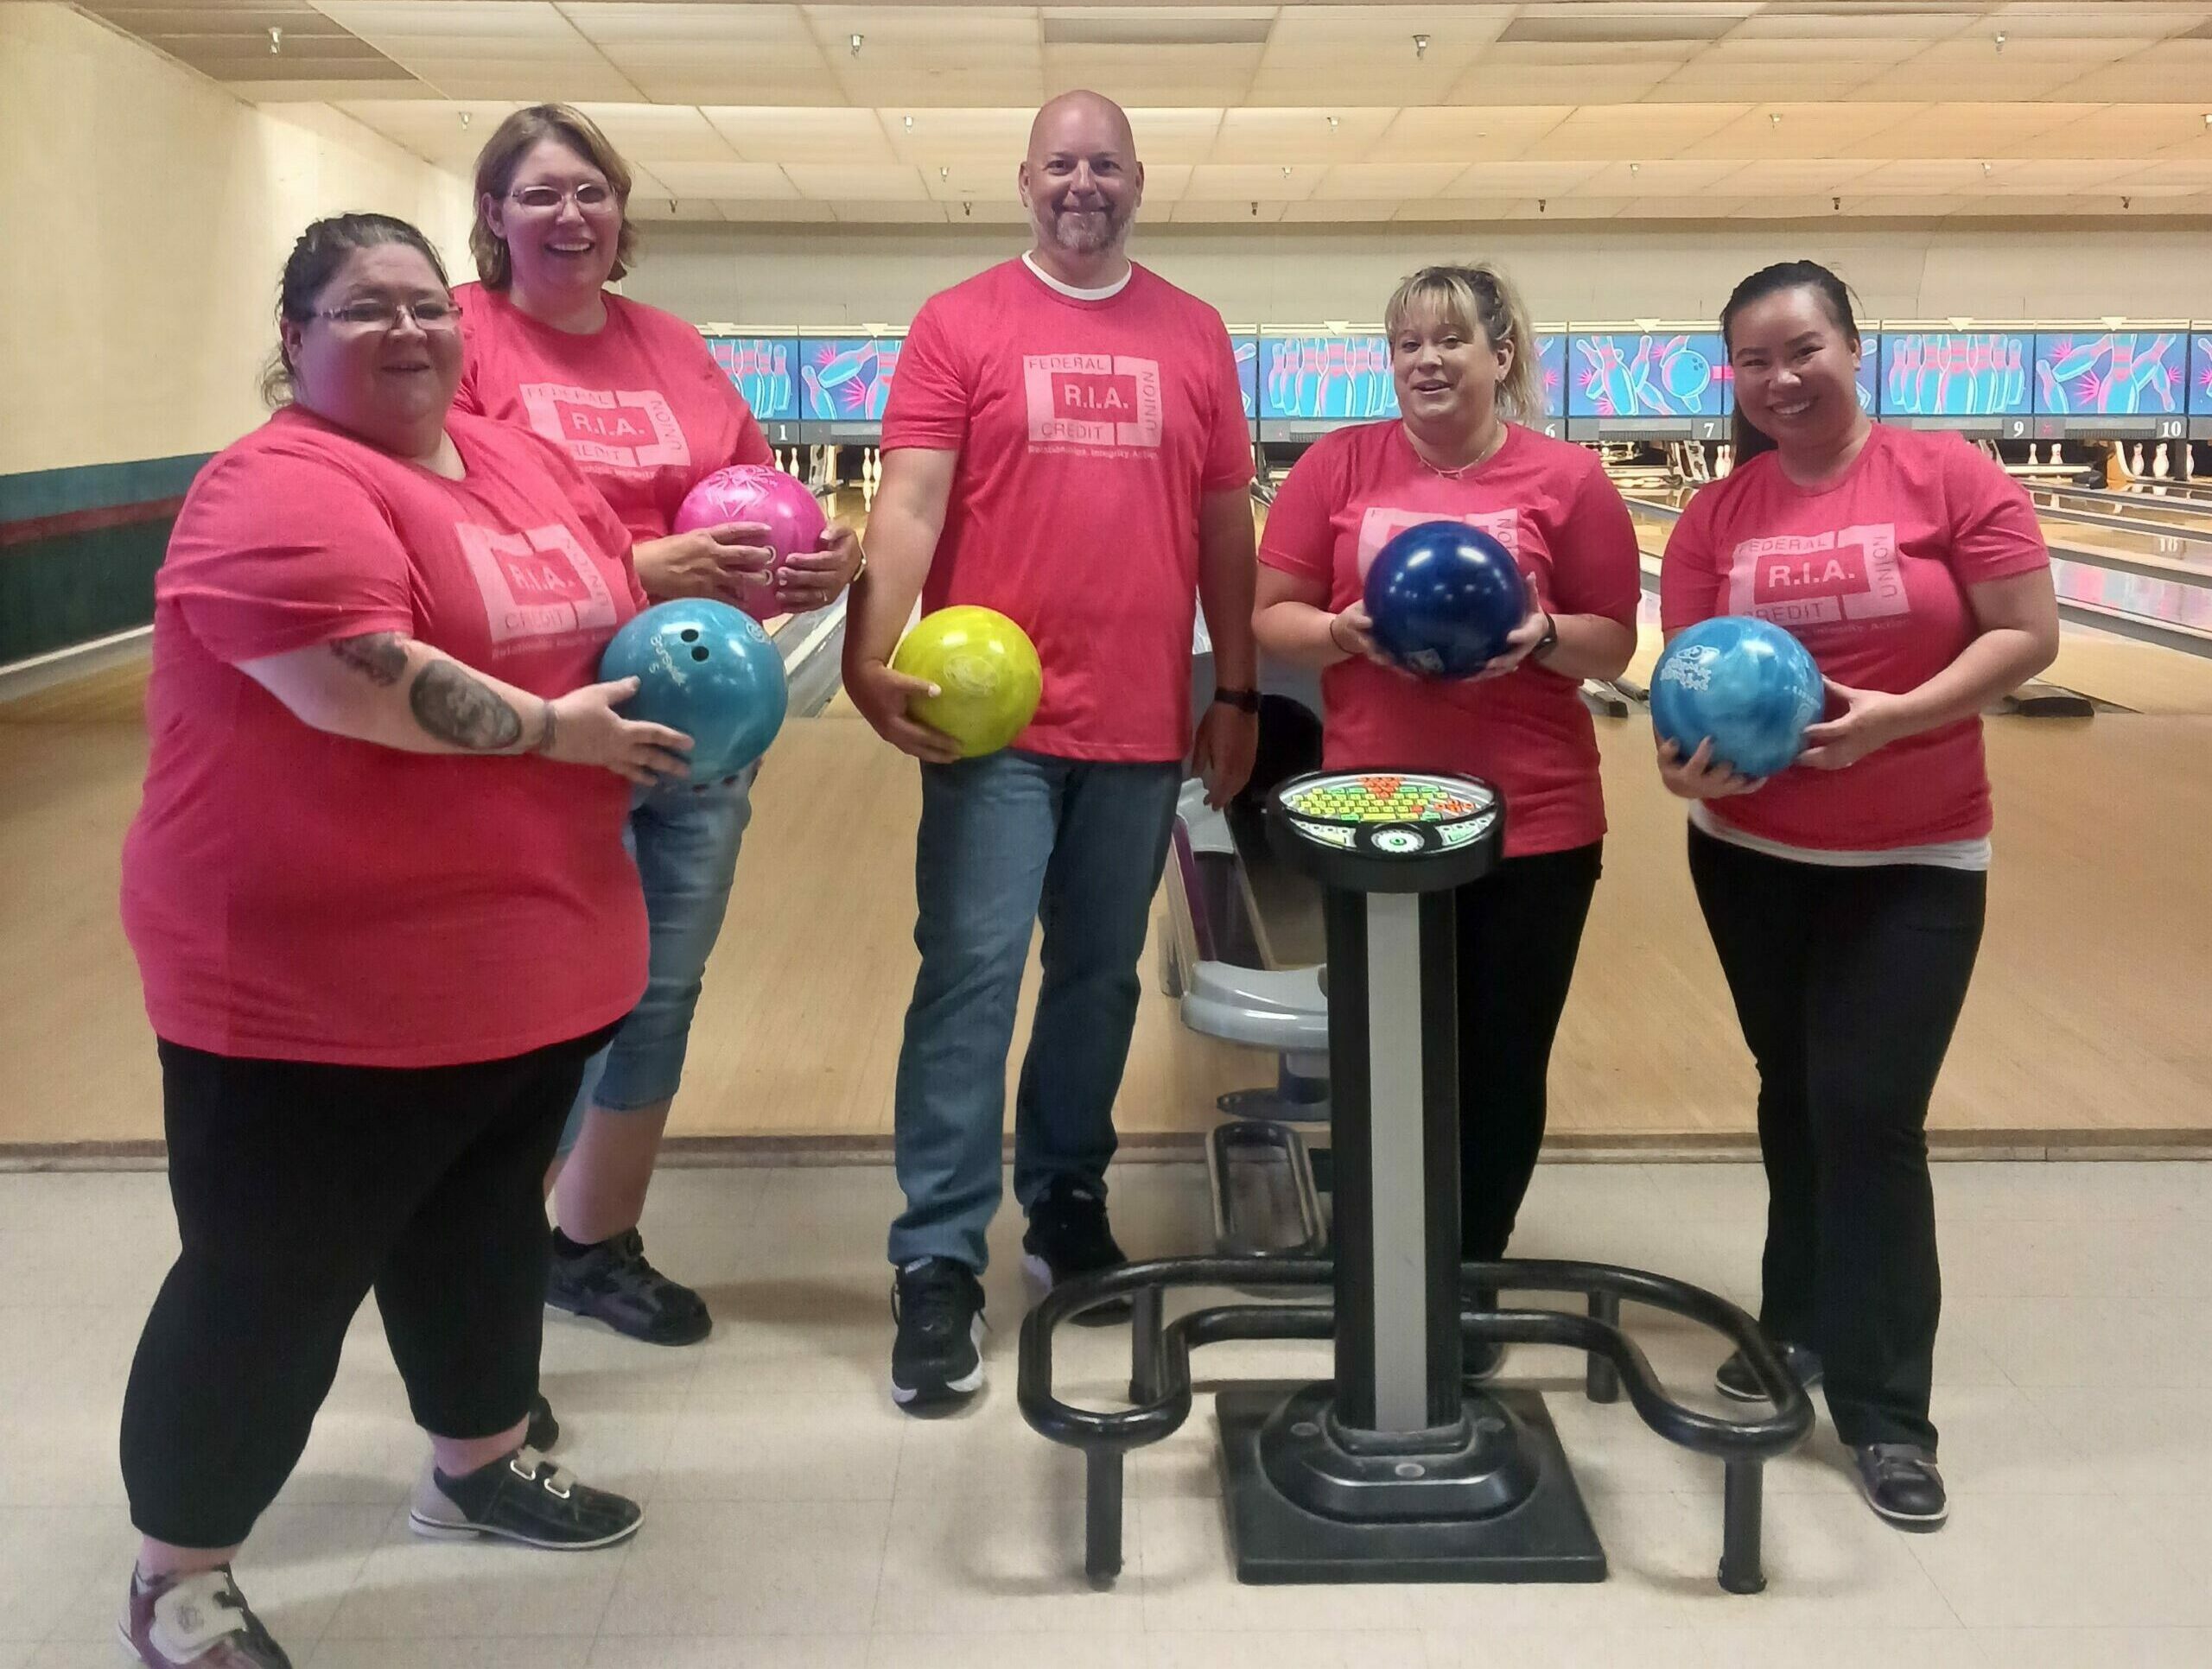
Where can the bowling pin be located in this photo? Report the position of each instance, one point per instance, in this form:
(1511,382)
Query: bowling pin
(2161,465)
(2135,463)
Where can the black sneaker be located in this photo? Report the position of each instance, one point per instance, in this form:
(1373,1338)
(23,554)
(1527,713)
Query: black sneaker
(612,1282)
(543,1430)
(1735,1380)
(522,1497)
(937,1361)
(1068,1236)
(1901,1483)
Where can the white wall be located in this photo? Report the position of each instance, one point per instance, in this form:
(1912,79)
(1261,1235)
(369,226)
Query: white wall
(144,218)
(1578,272)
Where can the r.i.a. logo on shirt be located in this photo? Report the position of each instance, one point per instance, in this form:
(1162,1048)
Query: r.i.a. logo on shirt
(1110,400)
(535,584)
(1820,579)
(1380,523)
(617,429)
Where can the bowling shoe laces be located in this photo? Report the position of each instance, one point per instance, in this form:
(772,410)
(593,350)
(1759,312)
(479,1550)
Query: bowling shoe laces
(522,1497)
(197,1621)
(1069,1237)
(612,1282)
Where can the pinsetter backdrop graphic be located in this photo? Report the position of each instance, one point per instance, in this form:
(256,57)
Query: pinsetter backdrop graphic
(1956,374)
(1684,374)
(1248,371)
(2121,372)
(845,379)
(765,370)
(2200,375)
(1314,378)
(1870,364)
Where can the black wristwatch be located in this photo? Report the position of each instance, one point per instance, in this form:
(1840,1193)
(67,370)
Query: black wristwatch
(1550,641)
(1244,700)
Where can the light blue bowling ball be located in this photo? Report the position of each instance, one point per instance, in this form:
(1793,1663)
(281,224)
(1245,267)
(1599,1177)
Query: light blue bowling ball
(1747,684)
(708,669)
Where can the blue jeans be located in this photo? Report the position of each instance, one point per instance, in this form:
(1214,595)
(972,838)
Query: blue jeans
(1005,841)
(685,843)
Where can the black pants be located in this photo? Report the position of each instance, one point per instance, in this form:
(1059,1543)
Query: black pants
(298,1188)
(1849,983)
(1520,927)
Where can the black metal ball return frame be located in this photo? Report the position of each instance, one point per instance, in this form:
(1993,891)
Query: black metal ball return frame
(1396,1470)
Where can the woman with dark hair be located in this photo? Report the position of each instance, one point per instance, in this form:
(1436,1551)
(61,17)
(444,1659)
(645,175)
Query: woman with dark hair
(635,397)
(1465,362)
(1845,894)
(379,901)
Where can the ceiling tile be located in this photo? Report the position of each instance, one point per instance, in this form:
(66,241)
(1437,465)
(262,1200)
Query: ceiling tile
(835,181)
(1299,135)
(1465,133)
(1284,183)
(768,134)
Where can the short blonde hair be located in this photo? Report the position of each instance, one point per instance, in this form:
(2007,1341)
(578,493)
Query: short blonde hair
(1477,300)
(501,157)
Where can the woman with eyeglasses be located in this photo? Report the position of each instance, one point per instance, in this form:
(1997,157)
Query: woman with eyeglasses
(636,397)
(380,905)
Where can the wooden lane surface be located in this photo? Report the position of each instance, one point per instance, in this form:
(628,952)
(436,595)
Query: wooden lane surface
(2085,1025)
(2141,677)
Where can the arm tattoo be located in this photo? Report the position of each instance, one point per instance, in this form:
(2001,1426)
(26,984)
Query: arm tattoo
(379,657)
(452,706)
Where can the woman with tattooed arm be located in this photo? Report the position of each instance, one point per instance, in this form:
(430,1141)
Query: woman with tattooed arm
(381,907)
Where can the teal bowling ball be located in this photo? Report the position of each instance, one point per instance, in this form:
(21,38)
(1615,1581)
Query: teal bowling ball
(1747,684)
(708,669)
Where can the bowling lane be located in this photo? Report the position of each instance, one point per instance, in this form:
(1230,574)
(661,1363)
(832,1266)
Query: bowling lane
(2188,519)
(2141,677)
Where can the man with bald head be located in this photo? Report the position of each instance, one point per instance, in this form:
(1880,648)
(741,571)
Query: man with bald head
(1065,443)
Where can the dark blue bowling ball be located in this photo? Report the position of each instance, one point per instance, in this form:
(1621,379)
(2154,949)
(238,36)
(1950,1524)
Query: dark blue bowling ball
(1747,684)
(705,669)
(1443,597)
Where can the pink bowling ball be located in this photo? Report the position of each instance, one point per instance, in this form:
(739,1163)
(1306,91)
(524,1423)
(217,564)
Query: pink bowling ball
(757,492)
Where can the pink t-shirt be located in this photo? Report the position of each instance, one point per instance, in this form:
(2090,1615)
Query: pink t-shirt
(1527,734)
(1871,575)
(294,895)
(1087,432)
(641,405)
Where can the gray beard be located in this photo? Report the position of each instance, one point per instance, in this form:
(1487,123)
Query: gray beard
(1085,240)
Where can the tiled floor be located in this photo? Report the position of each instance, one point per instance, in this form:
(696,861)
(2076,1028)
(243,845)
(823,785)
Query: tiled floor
(797,1522)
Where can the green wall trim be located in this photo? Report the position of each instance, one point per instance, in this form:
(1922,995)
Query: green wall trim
(38,493)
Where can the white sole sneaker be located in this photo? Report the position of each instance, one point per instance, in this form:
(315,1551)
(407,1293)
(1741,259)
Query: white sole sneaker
(966,1386)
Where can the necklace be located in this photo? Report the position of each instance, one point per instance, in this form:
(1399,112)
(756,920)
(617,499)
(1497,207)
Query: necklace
(1489,449)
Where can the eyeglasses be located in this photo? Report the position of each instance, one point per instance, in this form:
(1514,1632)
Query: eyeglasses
(371,312)
(591,197)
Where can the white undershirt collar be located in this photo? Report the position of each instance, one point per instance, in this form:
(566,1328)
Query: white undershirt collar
(1107,293)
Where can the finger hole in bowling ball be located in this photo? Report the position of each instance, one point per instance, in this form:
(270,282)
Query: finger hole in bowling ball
(690,635)
(699,653)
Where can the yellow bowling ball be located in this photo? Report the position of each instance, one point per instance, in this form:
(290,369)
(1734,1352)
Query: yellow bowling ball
(984,667)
